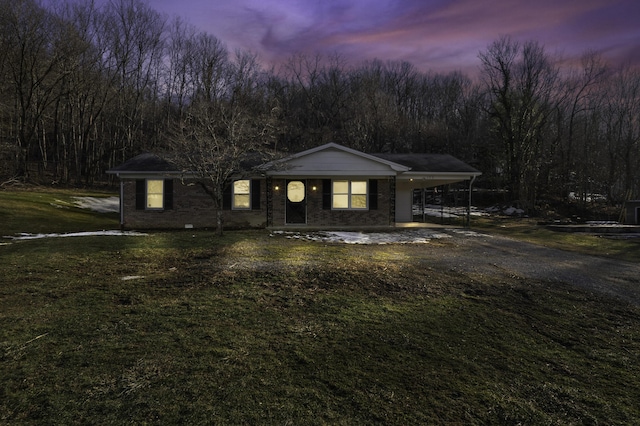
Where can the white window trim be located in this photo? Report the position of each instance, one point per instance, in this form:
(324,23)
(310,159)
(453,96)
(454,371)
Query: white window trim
(350,194)
(147,193)
(233,195)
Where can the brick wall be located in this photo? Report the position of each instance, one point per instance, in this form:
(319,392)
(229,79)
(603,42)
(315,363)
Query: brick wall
(191,206)
(317,216)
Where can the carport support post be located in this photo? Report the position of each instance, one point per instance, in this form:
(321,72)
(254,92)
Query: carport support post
(424,216)
(473,178)
(121,202)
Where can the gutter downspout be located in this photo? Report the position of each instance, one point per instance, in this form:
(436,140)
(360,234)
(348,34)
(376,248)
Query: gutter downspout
(121,204)
(473,178)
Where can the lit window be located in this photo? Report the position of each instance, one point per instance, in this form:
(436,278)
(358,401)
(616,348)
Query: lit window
(242,194)
(349,194)
(295,191)
(155,194)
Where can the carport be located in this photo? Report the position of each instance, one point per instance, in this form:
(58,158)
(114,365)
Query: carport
(427,171)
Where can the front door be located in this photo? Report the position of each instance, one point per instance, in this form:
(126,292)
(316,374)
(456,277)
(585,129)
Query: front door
(296,209)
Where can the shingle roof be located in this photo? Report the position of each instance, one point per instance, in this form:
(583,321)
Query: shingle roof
(437,163)
(152,163)
(146,162)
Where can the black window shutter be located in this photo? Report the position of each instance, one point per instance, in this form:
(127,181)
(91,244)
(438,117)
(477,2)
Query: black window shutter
(141,189)
(168,194)
(373,194)
(326,194)
(226,197)
(255,194)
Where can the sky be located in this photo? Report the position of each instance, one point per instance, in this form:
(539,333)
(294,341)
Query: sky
(434,35)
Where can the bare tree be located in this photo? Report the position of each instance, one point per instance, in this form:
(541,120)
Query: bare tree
(178,80)
(621,133)
(134,34)
(521,85)
(582,90)
(83,95)
(31,63)
(220,139)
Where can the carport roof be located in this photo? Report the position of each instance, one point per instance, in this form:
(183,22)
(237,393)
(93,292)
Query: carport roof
(430,163)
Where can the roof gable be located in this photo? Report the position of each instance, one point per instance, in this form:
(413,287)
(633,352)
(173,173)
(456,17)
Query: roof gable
(333,159)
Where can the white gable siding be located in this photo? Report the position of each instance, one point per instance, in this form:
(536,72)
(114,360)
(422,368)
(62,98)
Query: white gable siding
(332,162)
(404,202)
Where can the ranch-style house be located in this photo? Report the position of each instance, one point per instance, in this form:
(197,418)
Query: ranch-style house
(330,186)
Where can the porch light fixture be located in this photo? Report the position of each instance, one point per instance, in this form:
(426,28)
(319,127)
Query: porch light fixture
(314,188)
(277,188)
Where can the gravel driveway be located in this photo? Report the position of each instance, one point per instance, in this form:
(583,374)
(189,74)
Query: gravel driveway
(484,254)
(476,253)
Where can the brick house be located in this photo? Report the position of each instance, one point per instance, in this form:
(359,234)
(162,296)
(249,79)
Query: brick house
(327,186)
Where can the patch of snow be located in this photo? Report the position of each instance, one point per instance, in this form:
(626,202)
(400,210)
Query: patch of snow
(434,210)
(478,213)
(371,238)
(468,233)
(417,236)
(26,236)
(132,277)
(59,204)
(437,212)
(590,198)
(99,204)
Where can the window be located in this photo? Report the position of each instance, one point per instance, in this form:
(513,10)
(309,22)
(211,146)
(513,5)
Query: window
(295,191)
(242,194)
(349,194)
(154,194)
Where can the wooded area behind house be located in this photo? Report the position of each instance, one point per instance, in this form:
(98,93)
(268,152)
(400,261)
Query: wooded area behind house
(83,88)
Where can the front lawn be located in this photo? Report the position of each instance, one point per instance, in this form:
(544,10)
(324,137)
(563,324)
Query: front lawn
(248,328)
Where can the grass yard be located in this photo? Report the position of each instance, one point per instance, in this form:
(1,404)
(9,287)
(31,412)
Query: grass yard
(526,229)
(190,328)
(47,211)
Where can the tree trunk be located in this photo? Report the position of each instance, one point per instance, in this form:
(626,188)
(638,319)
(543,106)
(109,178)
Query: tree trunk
(219,222)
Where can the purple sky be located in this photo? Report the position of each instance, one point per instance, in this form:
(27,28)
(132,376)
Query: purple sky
(437,35)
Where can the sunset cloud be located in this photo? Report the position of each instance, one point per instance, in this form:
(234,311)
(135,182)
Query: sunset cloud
(438,35)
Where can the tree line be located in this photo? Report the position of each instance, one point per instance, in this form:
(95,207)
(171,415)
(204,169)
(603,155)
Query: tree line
(83,88)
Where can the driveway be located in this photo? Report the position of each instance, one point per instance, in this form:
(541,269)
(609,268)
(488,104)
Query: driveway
(477,253)
(483,254)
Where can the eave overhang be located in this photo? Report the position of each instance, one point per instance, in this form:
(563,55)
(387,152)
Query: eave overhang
(431,179)
(306,173)
(437,175)
(129,174)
